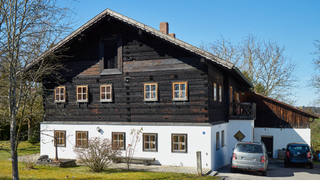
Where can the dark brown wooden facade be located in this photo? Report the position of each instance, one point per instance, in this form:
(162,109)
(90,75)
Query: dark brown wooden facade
(144,58)
(275,114)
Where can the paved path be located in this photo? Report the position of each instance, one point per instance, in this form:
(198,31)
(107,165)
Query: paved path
(275,171)
(154,168)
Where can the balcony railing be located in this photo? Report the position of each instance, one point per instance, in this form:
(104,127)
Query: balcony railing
(242,110)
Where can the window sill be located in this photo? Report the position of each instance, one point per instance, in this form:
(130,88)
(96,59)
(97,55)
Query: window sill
(110,72)
(150,100)
(84,101)
(179,151)
(150,150)
(59,102)
(60,146)
(106,101)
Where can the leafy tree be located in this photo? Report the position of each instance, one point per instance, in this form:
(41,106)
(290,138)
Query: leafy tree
(264,63)
(28,27)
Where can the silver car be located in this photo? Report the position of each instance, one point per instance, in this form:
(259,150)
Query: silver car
(250,156)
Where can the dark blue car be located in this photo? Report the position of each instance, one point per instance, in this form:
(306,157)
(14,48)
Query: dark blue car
(298,153)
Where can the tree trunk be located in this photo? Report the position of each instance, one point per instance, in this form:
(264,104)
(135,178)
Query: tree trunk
(29,128)
(14,154)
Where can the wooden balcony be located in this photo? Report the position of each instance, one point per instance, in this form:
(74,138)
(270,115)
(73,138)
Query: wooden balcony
(243,110)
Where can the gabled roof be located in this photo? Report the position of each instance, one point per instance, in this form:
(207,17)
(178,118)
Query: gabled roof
(147,29)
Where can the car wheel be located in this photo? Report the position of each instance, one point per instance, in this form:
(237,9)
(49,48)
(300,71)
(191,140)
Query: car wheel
(232,170)
(311,166)
(285,164)
(264,173)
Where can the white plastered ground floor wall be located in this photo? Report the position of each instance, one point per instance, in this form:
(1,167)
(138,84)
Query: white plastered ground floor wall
(199,138)
(283,136)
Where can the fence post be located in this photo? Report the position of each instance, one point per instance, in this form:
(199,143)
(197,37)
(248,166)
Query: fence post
(199,164)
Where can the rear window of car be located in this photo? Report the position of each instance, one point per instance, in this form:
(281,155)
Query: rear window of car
(249,148)
(300,148)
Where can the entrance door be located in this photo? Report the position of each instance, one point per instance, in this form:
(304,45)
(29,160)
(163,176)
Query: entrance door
(268,142)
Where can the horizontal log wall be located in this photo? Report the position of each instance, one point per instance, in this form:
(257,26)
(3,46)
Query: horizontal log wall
(272,114)
(145,59)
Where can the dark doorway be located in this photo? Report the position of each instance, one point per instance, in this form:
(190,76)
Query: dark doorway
(268,141)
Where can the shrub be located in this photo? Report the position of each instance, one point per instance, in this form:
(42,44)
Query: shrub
(97,154)
(30,162)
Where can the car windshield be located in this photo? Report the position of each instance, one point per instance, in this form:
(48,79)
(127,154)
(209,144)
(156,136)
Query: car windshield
(249,148)
(299,148)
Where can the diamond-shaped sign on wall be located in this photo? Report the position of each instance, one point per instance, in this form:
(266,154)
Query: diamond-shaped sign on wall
(239,136)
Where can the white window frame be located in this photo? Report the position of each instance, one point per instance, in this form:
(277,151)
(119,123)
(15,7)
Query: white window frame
(57,133)
(83,140)
(179,91)
(150,91)
(117,140)
(220,93)
(106,93)
(214,92)
(150,142)
(60,94)
(82,93)
(222,139)
(179,143)
(217,141)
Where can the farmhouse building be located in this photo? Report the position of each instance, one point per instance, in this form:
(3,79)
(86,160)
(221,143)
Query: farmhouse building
(122,74)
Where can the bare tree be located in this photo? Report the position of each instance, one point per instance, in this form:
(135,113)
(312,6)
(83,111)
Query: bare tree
(223,49)
(264,63)
(135,138)
(315,81)
(28,28)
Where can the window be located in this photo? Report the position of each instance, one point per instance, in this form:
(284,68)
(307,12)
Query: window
(60,94)
(220,94)
(82,93)
(179,143)
(150,91)
(150,142)
(118,140)
(231,95)
(214,91)
(236,96)
(106,93)
(81,138)
(222,139)
(217,141)
(180,90)
(60,138)
(111,55)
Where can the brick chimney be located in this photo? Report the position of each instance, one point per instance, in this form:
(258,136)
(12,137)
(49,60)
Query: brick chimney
(164,27)
(172,35)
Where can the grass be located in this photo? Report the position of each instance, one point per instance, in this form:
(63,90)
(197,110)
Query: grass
(48,172)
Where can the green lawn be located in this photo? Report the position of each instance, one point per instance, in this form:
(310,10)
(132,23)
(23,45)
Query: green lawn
(48,172)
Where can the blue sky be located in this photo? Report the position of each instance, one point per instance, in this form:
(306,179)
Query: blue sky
(292,23)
